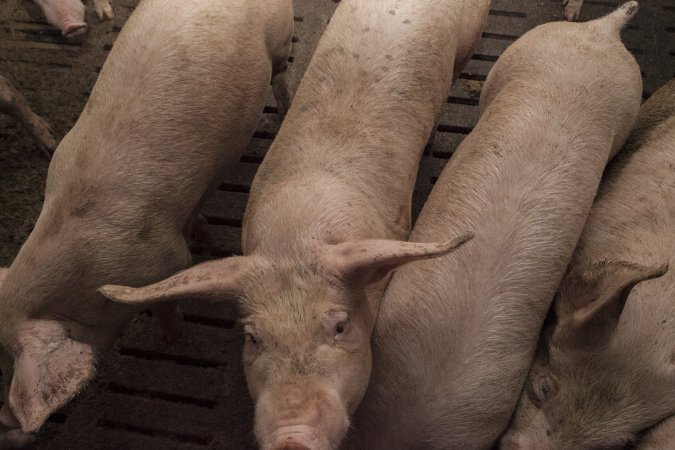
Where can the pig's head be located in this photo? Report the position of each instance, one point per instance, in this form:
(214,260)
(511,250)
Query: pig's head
(583,392)
(307,324)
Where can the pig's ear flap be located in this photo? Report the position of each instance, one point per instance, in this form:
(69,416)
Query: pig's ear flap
(214,280)
(592,299)
(3,274)
(50,370)
(367,261)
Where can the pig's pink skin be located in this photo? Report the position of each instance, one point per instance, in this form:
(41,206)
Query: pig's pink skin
(602,376)
(66,15)
(326,206)
(162,123)
(455,336)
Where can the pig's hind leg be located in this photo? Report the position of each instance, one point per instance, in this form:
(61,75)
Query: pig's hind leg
(14,104)
(103,9)
(572,9)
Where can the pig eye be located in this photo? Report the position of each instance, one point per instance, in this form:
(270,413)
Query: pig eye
(250,335)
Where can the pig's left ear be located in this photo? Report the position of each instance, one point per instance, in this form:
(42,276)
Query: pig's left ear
(367,261)
(50,370)
(214,280)
(594,298)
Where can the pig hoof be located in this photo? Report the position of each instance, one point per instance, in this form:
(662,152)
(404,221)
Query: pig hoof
(103,9)
(45,137)
(72,30)
(572,9)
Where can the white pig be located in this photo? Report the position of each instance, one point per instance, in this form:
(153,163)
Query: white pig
(176,102)
(604,370)
(14,104)
(335,186)
(68,15)
(455,336)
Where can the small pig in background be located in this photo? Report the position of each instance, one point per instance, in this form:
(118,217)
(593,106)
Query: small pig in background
(68,15)
(454,337)
(660,437)
(572,9)
(176,102)
(14,104)
(332,194)
(604,370)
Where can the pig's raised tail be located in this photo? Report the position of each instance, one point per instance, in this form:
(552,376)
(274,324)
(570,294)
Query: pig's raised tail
(617,19)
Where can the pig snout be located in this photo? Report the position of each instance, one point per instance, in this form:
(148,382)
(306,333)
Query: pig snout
(300,419)
(300,437)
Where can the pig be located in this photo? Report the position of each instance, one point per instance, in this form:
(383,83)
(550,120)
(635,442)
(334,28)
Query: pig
(176,102)
(328,211)
(454,337)
(68,15)
(661,437)
(14,104)
(604,369)
(572,9)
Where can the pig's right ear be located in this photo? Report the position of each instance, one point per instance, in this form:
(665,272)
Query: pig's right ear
(592,299)
(214,280)
(3,274)
(367,261)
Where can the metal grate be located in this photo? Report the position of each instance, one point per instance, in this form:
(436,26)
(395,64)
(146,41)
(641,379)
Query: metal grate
(192,394)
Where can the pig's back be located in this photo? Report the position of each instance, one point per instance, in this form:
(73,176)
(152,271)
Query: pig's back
(179,94)
(632,220)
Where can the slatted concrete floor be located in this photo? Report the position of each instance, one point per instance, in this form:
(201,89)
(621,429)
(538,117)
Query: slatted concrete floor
(192,395)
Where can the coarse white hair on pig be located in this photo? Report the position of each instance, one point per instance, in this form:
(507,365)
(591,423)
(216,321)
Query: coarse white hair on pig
(175,104)
(604,370)
(455,336)
(329,211)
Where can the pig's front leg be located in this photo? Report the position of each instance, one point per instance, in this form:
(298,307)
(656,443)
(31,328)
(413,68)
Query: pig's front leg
(103,9)
(572,9)
(14,104)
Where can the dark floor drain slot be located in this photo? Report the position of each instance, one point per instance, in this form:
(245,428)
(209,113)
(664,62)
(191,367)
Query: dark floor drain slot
(148,431)
(210,321)
(453,129)
(156,395)
(463,101)
(503,37)
(231,187)
(159,356)
(235,223)
(498,12)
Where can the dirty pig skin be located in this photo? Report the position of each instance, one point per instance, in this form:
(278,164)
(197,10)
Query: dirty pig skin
(163,121)
(328,210)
